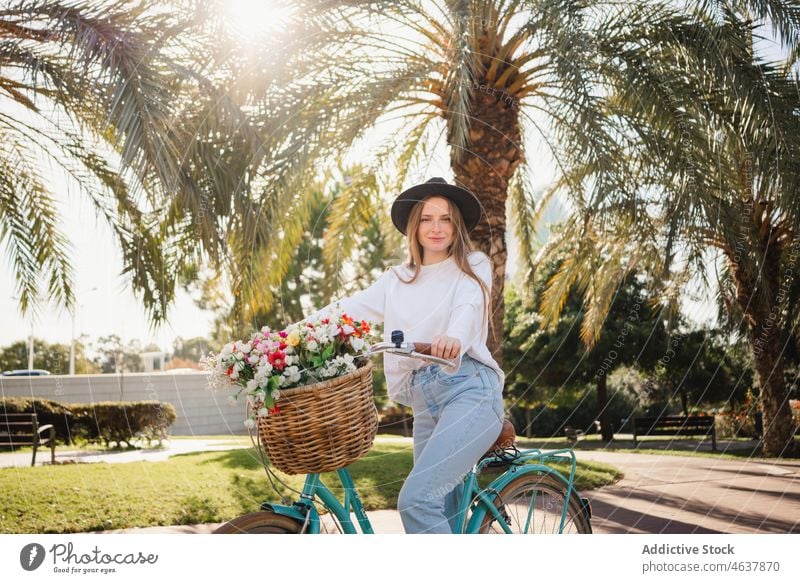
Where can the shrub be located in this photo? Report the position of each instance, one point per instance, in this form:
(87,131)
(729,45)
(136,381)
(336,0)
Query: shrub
(396,419)
(738,419)
(122,422)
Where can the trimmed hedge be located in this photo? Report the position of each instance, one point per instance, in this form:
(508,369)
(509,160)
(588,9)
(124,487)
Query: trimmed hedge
(115,421)
(122,422)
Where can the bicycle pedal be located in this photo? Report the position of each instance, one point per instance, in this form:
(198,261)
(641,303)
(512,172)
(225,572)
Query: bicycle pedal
(505,516)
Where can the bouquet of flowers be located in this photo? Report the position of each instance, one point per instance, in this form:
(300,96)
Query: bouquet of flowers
(301,354)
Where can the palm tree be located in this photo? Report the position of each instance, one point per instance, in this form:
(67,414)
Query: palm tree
(110,94)
(717,174)
(487,76)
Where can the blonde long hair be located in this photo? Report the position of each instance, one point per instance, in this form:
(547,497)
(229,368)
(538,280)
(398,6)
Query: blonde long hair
(459,250)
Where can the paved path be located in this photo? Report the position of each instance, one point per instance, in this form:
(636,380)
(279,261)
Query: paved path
(672,494)
(172,447)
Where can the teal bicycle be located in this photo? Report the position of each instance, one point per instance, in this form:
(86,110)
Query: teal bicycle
(529,496)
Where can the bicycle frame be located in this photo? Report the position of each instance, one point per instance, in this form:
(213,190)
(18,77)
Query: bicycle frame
(479,501)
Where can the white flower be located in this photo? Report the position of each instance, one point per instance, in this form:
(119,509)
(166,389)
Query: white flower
(263,412)
(292,374)
(250,423)
(234,374)
(252,385)
(357,343)
(226,350)
(348,329)
(312,345)
(253,359)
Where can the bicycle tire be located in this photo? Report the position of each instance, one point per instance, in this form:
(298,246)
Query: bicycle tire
(260,523)
(547,507)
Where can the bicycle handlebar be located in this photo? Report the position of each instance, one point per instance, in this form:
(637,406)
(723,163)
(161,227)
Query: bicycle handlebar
(421,350)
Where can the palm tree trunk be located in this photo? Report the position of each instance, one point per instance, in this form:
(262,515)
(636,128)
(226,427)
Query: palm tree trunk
(778,435)
(757,296)
(485,168)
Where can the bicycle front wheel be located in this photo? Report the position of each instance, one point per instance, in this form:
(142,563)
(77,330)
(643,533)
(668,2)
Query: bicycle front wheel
(260,523)
(533,504)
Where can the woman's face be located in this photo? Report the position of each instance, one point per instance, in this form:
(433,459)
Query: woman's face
(436,230)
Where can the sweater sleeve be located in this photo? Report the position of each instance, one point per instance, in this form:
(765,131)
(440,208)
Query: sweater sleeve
(367,304)
(467,321)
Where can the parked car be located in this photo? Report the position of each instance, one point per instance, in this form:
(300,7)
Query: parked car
(26,372)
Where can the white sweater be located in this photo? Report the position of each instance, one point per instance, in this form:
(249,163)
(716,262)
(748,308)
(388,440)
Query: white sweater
(443,300)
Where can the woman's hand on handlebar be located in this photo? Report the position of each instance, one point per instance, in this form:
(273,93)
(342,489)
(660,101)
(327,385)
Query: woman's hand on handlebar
(445,347)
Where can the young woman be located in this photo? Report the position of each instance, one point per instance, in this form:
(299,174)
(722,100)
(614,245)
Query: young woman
(440,295)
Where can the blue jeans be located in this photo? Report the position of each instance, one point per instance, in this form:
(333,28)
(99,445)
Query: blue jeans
(457,418)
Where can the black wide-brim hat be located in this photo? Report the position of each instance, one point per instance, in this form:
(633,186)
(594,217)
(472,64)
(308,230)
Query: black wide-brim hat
(465,201)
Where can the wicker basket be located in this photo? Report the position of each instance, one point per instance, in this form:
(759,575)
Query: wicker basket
(322,427)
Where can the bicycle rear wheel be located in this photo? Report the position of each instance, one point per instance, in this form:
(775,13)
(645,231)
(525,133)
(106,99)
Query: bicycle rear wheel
(260,523)
(532,504)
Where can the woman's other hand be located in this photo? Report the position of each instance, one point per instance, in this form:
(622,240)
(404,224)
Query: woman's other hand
(445,347)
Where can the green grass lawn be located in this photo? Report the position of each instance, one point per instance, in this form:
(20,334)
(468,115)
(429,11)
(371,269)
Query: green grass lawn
(189,489)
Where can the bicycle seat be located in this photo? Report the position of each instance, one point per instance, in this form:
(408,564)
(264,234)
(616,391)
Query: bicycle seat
(506,438)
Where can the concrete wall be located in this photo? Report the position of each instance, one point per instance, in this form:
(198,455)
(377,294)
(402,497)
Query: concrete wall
(200,411)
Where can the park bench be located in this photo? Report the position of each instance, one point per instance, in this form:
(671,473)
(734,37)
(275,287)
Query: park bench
(678,425)
(23,429)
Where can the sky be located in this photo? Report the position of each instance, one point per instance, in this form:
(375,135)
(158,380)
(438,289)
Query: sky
(107,305)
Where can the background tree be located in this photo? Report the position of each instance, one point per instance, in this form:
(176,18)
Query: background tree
(51,357)
(717,172)
(296,279)
(114,356)
(193,349)
(553,358)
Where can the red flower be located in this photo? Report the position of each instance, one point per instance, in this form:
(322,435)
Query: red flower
(277,360)
(282,334)
(274,410)
(365,327)
(230,370)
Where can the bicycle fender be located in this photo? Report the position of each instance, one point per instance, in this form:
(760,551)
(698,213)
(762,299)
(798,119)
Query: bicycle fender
(296,512)
(501,482)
